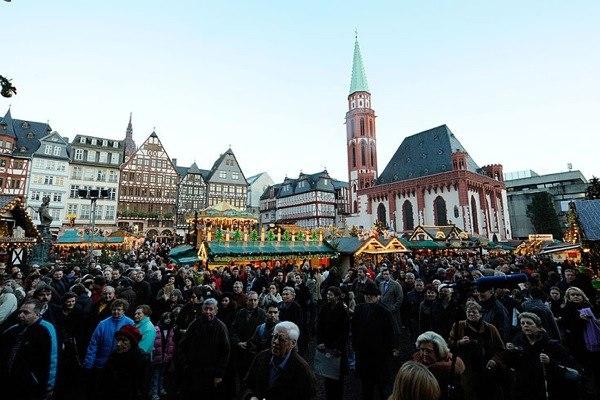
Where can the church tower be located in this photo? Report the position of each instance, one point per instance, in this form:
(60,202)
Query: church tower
(130,146)
(360,132)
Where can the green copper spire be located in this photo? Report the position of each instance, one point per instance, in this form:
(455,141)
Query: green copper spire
(359,79)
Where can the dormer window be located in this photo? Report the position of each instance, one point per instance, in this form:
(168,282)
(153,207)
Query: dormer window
(23,149)
(94,142)
(25,125)
(82,140)
(30,135)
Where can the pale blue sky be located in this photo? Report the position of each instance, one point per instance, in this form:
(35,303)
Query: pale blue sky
(516,81)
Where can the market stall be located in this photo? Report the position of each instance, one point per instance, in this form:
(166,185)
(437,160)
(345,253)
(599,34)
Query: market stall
(354,249)
(78,239)
(18,233)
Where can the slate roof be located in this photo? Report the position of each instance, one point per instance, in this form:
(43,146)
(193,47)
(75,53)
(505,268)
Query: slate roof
(20,129)
(251,179)
(422,154)
(339,184)
(181,171)
(193,169)
(588,213)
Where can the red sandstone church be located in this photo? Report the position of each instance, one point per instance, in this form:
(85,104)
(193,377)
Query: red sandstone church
(430,180)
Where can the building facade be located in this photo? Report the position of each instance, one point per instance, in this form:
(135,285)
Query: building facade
(564,187)
(148,190)
(48,177)
(226,182)
(430,180)
(18,140)
(95,164)
(257,184)
(309,201)
(191,194)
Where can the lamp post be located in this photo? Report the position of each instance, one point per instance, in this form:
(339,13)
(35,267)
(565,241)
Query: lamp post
(93,195)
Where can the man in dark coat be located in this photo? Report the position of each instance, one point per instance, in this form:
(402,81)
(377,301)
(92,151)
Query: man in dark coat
(280,373)
(203,355)
(244,325)
(28,355)
(494,312)
(374,338)
(290,310)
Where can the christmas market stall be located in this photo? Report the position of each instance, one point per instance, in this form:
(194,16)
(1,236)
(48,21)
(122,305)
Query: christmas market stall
(545,244)
(79,239)
(240,247)
(446,239)
(222,216)
(18,233)
(583,220)
(354,249)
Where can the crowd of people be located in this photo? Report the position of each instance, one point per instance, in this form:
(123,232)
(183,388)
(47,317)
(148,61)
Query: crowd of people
(408,327)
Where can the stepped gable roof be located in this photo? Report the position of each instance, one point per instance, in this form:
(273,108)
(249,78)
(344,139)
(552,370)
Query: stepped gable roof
(27,133)
(588,213)
(423,154)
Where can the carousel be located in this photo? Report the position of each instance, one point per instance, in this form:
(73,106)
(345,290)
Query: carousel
(18,233)
(219,216)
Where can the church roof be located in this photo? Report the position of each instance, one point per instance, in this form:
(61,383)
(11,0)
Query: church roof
(423,154)
(588,212)
(358,83)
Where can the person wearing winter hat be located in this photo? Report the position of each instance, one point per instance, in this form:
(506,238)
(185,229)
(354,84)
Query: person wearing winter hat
(126,371)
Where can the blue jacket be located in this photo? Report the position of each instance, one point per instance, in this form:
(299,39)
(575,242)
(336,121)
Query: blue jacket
(103,341)
(148,334)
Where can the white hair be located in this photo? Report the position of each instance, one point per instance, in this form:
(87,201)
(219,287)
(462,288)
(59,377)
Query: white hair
(290,328)
(439,344)
(210,302)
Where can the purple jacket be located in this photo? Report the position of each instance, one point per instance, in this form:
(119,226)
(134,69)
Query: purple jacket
(163,349)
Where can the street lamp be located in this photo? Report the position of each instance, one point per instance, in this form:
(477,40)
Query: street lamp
(93,195)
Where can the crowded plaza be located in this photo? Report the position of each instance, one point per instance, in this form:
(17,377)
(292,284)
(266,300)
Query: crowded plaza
(431,325)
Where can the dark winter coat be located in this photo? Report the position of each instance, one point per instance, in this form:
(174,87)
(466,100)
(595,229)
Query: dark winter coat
(164,347)
(295,382)
(125,376)
(34,365)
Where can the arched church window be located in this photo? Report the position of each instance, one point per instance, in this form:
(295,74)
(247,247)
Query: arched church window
(474,215)
(407,216)
(363,153)
(352,128)
(371,127)
(372,156)
(456,212)
(362,126)
(353,156)
(440,213)
(381,217)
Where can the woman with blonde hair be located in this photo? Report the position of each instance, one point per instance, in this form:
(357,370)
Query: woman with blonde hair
(415,382)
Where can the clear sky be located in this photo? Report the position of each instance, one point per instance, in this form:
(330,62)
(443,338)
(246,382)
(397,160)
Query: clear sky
(516,81)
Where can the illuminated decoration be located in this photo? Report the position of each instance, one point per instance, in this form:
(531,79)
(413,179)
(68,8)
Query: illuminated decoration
(18,233)
(81,239)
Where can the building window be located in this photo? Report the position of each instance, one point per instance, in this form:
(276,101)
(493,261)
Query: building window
(91,156)
(82,140)
(57,197)
(48,149)
(109,212)
(35,195)
(94,142)
(79,154)
(114,159)
(72,209)
(235,175)
(85,211)
(363,153)
(101,175)
(440,214)
(456,214)
(223,174)
(112,176)
(474,215)
(73,192)
(362,126)
(56,150)
(48,179)
(103,157)
(76,173)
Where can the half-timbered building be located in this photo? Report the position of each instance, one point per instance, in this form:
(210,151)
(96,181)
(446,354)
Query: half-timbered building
(148,190)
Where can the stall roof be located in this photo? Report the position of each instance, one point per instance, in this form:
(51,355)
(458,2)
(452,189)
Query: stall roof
(257,249)
(352,245)
(588,213)
(71,236)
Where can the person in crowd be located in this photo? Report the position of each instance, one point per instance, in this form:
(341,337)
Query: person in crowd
(537,360)
(445,310)
(361,282)
(244,325)
(476,342)
(415,382)
(427,309)
(261,339)
(270,296)
(333,330)
(374,339)
(47,296)
(411,305)
(126,374)
(190,311)
(537,306)
(29,354)
(8,301)
(142,321)
(574,321)
(280,373)
(162,355)
(391,296)
(238,296)
(493,311)
(433,352)
(290,310)
(555,301)
(203,355)
(102,341)
(142,288)
(102,309)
